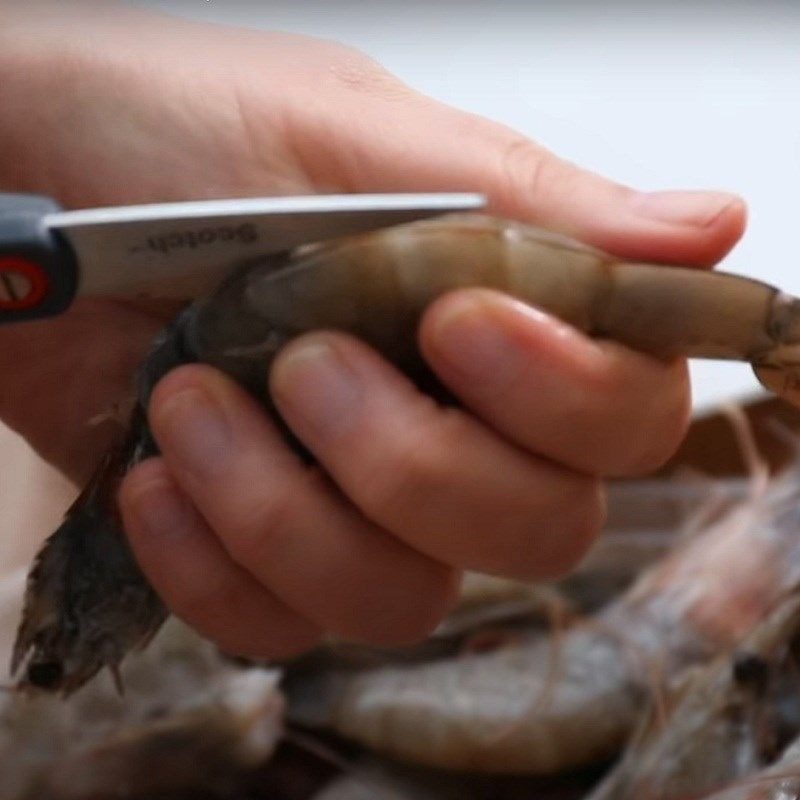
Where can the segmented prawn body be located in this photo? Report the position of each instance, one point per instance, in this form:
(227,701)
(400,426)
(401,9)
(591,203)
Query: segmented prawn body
(375,286)
(549,704)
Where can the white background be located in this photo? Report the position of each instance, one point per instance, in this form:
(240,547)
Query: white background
(659,95)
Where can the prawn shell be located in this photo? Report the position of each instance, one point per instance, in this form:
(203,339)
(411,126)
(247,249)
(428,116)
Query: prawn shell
(377,287)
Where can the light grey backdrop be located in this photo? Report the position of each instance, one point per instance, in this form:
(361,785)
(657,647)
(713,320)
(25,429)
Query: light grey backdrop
(660,95)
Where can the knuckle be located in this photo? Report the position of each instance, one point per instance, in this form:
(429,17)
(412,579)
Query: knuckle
(388,496)
(271,515)
(413,470)
(527,171)
(260,521)
(356,72)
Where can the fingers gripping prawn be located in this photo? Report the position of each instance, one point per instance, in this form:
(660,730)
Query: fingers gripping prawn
(377,287)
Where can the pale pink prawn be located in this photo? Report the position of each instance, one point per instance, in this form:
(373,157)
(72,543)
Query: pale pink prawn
(486,712)
(725,720)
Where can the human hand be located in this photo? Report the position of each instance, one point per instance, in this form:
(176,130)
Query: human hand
(254,549)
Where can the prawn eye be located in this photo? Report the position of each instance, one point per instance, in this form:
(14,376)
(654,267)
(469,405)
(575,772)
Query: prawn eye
(751,670)
(46,675)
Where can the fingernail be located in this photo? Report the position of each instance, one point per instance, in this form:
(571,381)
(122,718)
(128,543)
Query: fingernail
(473,344)
(683,208)
(193,429)
(160,511)
(313,384)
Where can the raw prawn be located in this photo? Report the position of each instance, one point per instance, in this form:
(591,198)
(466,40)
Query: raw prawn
(727,720)
(87,603)
(546,705)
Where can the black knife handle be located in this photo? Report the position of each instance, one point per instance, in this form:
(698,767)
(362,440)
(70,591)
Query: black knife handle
(38,271)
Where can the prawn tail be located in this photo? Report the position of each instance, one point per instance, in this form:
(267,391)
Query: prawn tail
(84,570)
(87,603)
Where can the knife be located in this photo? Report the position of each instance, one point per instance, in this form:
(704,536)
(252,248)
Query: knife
(48,256)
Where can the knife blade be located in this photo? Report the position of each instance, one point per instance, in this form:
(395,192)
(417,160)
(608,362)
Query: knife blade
(49,256)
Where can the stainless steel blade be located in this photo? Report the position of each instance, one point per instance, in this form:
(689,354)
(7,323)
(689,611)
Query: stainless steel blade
(184,249)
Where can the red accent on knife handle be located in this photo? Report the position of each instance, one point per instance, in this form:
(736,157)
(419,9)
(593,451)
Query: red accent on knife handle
(23,283)
(38,271)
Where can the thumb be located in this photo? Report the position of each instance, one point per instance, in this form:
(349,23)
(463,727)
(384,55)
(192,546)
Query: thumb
(404,141)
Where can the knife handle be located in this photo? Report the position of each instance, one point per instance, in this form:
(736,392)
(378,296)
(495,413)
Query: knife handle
(38,271)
